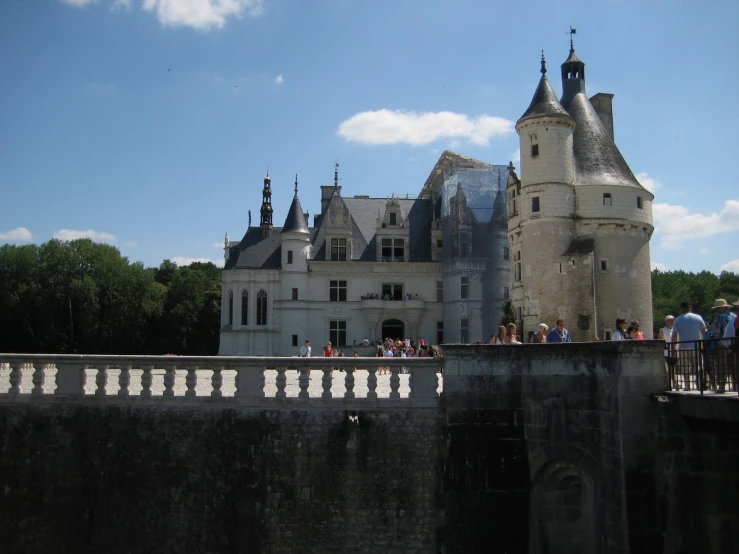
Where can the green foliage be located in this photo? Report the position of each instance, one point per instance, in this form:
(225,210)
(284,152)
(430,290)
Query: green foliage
(84,297)
(509,315)
(670,288)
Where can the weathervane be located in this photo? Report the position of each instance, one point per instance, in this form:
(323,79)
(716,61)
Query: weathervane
(296,183)
(572,45)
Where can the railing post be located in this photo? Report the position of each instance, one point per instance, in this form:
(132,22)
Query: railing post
(38,378)
(303,382)
(216,381)
(101,380)
(71,378)
(372,383)
(423,382)
(281,381)
(124,380)
(326,381)
(394,382)
(250,382)
(349,383)
(146,381)
(191,380)
(169,377)
(16,378)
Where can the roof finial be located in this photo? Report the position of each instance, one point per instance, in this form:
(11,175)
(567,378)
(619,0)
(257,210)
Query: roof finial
(268,164)
(296,183)
(543,63)
(572,45)
(336,175)
(249,219)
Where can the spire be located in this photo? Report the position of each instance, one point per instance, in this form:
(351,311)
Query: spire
(573,75)
(572,44)
(295,221)
(545,100)
(265,222)
(336,177)
(225,240)
(249,219)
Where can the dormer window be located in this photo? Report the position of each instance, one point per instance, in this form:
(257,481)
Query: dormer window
(393,218)
(338,249)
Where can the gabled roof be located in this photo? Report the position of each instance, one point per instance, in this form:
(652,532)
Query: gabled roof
(544,102)
(256,251)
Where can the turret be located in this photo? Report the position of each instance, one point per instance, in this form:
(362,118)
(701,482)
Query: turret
(545,138)
(295,237)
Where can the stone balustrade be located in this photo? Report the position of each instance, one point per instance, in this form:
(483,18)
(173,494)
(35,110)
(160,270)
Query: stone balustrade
(221,380)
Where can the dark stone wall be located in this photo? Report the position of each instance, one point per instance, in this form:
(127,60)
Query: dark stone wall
(126,480)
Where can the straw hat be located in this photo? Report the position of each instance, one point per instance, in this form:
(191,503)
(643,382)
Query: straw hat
(720,303)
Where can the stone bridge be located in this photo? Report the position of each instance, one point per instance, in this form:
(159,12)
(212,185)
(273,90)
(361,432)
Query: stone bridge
(537,448)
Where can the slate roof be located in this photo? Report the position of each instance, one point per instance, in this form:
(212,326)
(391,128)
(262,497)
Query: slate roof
(295,220)
(597,158)
(544,102)
(255,251)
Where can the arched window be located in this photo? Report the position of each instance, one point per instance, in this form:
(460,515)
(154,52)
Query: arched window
(230,307)
(244,307)
(262,308)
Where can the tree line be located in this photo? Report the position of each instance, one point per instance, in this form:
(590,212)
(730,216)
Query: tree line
(84,297)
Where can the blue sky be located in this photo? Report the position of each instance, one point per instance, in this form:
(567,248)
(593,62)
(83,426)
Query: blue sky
(149,123)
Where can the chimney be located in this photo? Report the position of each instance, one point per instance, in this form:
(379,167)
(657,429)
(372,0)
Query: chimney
(603,104)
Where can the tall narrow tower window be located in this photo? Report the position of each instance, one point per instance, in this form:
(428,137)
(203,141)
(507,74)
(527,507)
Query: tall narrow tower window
(607,200)
(244,308)
(464,287)
(534,150)
(262,308)
(639,202)
(289,256)
(230,307)
(535,204)
(517,266)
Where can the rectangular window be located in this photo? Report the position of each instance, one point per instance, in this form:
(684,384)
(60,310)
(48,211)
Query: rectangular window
(464,330)
(583,322)
(535,204)
(463,245)
(289,256)
(337,333)
(262,308)
(517,266)
(338,250)
(440,291)
(464,283)
(295,340)
(520,314)
(559,268)
(607,200)
(295,294)
(638,202)
(506,293)
(604,265)
(398,250)
(439,332)
(393,218)
(534,150)
(337,291)
(506,253)
(439,243)
(392,291)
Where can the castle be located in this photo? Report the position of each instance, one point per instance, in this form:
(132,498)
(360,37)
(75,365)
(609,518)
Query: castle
(568,240)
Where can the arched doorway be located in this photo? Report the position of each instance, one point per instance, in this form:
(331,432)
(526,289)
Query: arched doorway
(393,328)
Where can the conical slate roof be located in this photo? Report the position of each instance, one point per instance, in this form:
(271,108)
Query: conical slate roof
(544,102)
(295,221)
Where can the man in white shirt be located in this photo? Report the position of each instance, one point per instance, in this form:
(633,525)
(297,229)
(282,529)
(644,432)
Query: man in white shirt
(305,352)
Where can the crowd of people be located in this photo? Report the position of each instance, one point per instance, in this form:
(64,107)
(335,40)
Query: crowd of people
(388,296)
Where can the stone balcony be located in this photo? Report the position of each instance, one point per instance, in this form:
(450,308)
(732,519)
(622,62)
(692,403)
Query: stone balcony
(220,381)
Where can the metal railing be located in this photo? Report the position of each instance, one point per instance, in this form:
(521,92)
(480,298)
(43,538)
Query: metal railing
(230,380)
(702,366)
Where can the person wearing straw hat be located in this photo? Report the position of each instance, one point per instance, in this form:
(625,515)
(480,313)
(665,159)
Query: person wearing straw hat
(722,319)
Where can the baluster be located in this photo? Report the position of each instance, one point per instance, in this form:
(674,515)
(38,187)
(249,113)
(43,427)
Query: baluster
(303,382)
(16,378)
(101,380)
(82,376)
(281,382)
(216,381)
(372,383)
(191,380)
(394,382)
(349,383)
(38,378)
(124,380)
(146,381)
(169,376)
(326,381)
(411,372)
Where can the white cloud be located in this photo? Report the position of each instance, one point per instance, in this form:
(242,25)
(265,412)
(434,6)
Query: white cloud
(649,183)
(279,79)
(71,234)
(704,251)
(675,224)
(399,126)
(659,265)
(17,234)
(130,244)
(185,260)
(516,156)
(201,14)
(732,266)
(218,245)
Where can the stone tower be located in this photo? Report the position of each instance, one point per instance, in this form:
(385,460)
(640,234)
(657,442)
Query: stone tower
(579,222)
